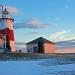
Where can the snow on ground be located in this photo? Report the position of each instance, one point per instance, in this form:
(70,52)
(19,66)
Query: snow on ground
(33,67)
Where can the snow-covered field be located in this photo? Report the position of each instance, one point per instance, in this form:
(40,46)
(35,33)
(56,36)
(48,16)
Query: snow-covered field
(47,66)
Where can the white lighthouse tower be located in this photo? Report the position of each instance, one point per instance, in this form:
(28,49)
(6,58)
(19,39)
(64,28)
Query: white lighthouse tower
(6,30)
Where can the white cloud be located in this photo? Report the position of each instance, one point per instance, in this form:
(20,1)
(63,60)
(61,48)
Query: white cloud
(62,36)
(12,9)
(33,23)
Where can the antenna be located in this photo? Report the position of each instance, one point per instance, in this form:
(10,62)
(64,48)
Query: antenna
(1,9)
(3,2)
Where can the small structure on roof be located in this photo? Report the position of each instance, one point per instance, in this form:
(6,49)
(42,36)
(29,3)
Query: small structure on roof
(40,45)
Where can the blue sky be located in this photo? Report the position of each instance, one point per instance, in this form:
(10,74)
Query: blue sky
(51,19)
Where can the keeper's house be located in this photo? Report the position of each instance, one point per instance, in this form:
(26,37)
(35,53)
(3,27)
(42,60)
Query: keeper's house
(40,45)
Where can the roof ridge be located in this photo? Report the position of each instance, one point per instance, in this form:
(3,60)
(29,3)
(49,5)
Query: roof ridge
(40,39)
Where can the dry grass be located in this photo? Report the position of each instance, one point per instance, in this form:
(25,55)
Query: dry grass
(6,56)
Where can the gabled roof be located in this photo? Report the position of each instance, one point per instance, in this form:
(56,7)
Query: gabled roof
(40,39)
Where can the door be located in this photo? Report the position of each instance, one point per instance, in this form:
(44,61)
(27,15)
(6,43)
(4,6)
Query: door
(35,50)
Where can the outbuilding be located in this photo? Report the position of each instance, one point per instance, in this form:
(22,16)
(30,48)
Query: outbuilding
(40,45)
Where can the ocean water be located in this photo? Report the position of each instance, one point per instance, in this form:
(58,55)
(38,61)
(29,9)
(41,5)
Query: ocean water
(33,66)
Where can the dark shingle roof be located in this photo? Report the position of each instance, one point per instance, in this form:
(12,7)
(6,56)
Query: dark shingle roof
(40,39)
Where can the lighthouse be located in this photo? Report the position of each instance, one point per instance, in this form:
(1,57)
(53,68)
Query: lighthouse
(6,31)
